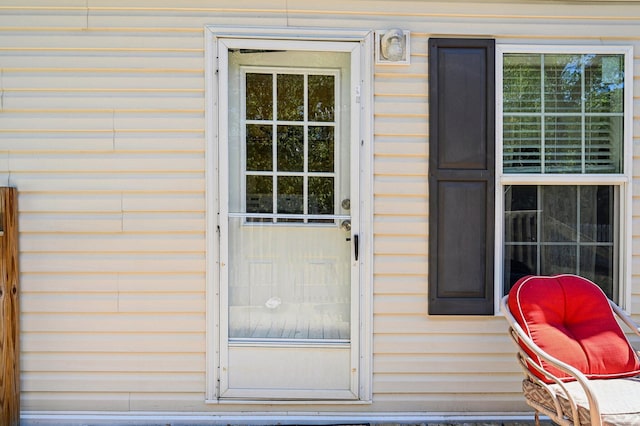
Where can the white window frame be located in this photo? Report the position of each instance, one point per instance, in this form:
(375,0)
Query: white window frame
(622,180)
(216,123)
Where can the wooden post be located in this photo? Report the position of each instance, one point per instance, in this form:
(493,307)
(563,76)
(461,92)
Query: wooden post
(9,309)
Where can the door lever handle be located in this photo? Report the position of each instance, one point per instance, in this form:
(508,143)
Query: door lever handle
(355,246)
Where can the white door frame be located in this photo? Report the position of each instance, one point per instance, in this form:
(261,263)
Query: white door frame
(216,127)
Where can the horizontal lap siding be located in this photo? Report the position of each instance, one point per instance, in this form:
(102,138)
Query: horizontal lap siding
(102,131)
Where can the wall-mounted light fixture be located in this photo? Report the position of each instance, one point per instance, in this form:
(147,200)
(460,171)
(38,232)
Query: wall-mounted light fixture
(393,47)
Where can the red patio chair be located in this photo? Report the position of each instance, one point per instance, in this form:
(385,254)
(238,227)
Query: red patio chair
(580,368)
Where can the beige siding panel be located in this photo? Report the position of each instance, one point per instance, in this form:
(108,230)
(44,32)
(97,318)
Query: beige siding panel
(113,342)
(102,81)
(400,246)
(69,303)
(67,283)
(408,304)
(401,205)
(386,187)
(402,146)
(163,203)
(400,167)
(24,141)
(65,222)
(106,162)
(113,323)
(101,40)
(58,203)
(196,18)
(160,142)
(99,183)
(160,283)
(63,101)
(152,401)
(421,324)
(396,106)
(165,302)
(46,62)
(399,285)
(390,225)
(74,401)
(400,265)
(460,344)
(63,18)
(116,362)
(446,383)
(163,222)
(109,243)
(435,364)
(413,88)
(109,381)
(112,302)
(109,262)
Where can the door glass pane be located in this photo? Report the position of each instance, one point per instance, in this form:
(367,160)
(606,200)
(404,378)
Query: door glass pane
(290,97)
(321,98)
(259,147)
(259,100)
(290,194)
(259,194)
(321,195)
(290,148)
(321,149)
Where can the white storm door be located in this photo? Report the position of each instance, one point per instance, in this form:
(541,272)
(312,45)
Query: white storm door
(289,222)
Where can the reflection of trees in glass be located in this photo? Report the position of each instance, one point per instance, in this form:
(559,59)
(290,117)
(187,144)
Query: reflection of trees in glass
(290,97)
(290,194)
(259,96)
(321,98)
(522,83)
(562,83)
(321,195)
(290,148)
(604,81)
(259,197)
(321,146)
(259,147)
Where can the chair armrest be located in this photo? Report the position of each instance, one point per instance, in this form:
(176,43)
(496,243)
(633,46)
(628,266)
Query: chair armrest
(626,318)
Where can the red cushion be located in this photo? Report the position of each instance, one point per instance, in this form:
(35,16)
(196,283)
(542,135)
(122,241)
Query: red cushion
(570,318)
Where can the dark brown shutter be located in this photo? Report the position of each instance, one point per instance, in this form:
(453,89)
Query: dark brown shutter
(461,176)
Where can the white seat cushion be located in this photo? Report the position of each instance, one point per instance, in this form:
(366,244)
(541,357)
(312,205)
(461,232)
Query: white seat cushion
(619,400)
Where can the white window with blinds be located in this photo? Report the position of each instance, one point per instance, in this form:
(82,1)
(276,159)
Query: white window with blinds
(564,130)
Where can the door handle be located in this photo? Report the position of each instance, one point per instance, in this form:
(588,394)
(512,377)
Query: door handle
(355,246)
